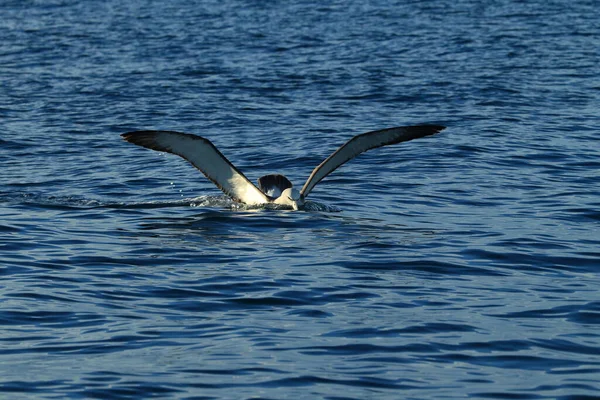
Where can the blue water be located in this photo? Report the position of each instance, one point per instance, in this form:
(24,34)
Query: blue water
(466,264)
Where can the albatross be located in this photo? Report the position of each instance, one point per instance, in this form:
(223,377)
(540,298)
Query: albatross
(273,188)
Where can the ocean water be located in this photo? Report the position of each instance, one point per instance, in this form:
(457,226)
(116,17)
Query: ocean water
(462,265)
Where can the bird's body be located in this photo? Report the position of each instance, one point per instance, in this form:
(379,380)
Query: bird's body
(276,189)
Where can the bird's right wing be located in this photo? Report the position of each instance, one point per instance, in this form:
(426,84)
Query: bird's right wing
(361,143)
(204,156)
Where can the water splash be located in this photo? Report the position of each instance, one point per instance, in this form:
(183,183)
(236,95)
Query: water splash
(208,201)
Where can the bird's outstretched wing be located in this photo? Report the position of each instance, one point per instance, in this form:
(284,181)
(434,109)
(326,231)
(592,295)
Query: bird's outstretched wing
(361,143)
(204,156)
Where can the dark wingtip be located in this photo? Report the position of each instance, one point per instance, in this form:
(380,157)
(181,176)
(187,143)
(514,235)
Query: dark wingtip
(126,136)
(145,139)
(419,131)
(427,130)
(139,134)
(433,128)
(130,136)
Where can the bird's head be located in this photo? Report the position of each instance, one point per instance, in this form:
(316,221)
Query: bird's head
(292,197)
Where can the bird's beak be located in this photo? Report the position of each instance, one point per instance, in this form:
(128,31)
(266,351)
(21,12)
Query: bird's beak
(295,205)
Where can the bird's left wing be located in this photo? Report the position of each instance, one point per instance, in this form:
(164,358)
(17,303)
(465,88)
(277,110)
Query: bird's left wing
(204,156)
(361,143)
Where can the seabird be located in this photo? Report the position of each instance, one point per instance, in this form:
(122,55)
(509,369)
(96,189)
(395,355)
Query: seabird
(272,188)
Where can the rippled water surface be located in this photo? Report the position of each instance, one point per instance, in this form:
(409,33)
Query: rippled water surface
(465,264)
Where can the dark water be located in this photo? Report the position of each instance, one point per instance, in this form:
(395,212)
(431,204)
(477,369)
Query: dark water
(461,265)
